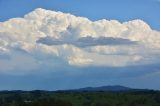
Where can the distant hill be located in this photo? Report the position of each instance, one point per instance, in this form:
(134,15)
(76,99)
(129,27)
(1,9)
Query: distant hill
(113,88)
(107,88)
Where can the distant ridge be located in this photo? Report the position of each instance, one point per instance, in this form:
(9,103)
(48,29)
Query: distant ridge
(106,88)
(110,88)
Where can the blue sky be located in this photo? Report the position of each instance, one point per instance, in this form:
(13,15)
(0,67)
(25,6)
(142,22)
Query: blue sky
(71,66)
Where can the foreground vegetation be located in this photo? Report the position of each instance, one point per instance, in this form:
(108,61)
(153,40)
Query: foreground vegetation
(62,98)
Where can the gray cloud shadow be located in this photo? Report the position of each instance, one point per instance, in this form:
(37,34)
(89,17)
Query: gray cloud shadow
(87,41)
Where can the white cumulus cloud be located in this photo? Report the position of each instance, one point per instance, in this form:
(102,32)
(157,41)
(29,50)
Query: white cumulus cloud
(77,41)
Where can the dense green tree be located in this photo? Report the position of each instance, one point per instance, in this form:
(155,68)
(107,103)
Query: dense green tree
(44,98)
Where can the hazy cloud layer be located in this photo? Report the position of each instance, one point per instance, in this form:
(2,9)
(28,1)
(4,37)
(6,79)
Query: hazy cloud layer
(50,39)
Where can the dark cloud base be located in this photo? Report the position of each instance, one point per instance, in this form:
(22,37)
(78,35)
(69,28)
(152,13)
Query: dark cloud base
(87,41)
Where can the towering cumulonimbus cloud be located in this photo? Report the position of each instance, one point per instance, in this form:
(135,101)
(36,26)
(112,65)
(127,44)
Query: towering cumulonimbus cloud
(44,35)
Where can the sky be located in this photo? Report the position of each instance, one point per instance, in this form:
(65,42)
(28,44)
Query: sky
(58,44)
